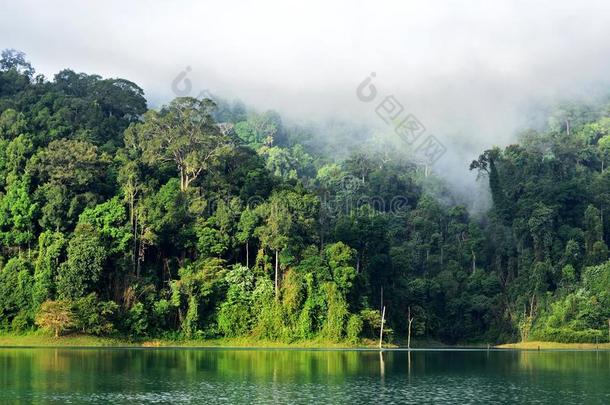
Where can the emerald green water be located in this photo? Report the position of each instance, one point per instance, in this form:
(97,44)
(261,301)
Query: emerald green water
(211,376)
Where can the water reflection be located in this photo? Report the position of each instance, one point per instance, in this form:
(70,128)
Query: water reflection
(294,376)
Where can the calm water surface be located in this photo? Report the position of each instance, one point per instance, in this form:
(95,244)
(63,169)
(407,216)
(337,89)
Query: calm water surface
(214,376)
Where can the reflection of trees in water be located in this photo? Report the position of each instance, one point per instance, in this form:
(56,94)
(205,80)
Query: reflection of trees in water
(565,361)
(95,370)
(182,363)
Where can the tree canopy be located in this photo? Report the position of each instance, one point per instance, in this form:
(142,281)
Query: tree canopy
(206,218)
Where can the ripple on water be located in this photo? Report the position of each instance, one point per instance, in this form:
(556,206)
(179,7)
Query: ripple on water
(292,377)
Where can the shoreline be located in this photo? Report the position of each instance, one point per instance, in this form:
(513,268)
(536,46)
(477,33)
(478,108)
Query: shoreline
(539,345)
(87,341)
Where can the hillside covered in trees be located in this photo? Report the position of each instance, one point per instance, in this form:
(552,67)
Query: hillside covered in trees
(207,219)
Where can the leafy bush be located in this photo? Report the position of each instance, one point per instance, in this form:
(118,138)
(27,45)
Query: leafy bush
(235,317)
(15,293)
(21,322)
(270,323)
(137,319)
(93,316)
(354,328)
(371,322)
(161,312)
(565,335)
(334,323)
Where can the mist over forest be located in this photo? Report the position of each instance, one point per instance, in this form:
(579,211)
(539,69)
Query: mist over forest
(270,171)
(206,218)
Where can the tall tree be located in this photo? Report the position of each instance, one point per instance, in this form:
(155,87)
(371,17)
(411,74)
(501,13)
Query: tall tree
(185,134)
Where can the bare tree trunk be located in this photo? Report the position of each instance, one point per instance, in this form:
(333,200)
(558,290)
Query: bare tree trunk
(276,273)
(410,319)
(140,255)
(601,219)
(134,253)
(532,305)
(322,227)
(247,255)
(474,261)
(381,331)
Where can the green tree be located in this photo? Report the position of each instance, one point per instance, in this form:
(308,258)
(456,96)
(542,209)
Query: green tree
(185,134)
(248,222)
(17,214)
(51,250)
(12,59)
(341,259)
(236,314)
(16,293)
(198,282)
(110,220)
(55,315)
(80,273)
(273,233)
(94,317)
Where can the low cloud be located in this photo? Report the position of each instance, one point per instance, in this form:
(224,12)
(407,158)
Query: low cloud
(470,71)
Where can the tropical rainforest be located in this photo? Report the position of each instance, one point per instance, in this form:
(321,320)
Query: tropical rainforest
(207,219)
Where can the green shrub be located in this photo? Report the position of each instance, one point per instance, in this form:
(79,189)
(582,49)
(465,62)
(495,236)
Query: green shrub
(354,328)
(93,316)
(15,292)
(137,319)
(565,335)
(161,312)
(371,322)
(234,318)
(21,322)
(270,323)
(336,313)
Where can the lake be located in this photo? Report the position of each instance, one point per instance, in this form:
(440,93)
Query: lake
(70,375)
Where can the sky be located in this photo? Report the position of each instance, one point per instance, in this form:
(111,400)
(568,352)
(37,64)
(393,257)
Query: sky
(468,70)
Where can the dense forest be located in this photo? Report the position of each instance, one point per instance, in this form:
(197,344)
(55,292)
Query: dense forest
(206,219)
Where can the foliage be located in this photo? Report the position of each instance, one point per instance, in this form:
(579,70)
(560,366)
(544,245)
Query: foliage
(354,328)
(79,274)
(205,218)
(94,317)
(236,315)
(198,282)
(185,134)
(51,246)
(56,316)
(15,292)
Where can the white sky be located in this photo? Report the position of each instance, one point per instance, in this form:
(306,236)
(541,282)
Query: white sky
(467,69)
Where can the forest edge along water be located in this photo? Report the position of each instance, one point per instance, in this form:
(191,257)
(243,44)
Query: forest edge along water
(44,340)
(279,239)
